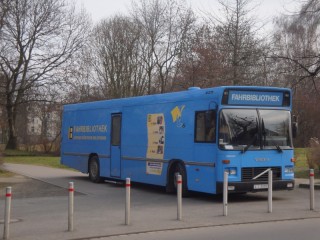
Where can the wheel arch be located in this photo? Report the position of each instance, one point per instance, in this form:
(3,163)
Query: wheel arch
(170,171)
(91,155)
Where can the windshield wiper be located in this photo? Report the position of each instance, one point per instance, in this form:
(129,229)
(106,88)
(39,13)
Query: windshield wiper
(244,149)
(255,137)
(264,133)
(276,145)
(278,148)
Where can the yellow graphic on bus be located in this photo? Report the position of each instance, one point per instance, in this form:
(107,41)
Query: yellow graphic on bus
(70,133)
(176,114)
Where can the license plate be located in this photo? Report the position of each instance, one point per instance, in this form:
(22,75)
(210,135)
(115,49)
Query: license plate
(260,186)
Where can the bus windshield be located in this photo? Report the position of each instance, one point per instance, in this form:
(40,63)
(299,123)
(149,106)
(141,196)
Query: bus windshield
(254,129)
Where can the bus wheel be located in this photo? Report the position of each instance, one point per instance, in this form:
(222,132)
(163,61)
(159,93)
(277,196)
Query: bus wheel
(180,169)
(94,170)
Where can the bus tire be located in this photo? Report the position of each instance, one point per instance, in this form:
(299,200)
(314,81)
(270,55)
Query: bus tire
(178,168)
(94,170)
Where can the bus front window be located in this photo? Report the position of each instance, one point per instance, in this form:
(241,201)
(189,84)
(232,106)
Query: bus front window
(252,129)
(275,129)
(239,129)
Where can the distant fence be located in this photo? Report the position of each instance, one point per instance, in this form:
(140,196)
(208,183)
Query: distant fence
(4,136)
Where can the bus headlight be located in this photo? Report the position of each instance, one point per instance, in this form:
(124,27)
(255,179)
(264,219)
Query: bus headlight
(288,169)
(231,171)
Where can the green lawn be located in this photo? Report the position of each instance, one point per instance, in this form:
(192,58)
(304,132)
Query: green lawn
(301,158)
(47,161)
(10,152)
(13,156)
(301,166)
(5,174)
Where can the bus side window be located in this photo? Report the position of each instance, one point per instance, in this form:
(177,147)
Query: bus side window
(205,126)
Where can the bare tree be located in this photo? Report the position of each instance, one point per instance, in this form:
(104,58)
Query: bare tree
(297,45)
(3,11)
(200,63)
(236,39)
(49,115)
(226,50)
(38,38)
(164,26)
(180,22)
(117,60)
(4,7)
(297,60)
(82,82)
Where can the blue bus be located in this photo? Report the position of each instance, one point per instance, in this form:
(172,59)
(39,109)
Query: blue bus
(198,133)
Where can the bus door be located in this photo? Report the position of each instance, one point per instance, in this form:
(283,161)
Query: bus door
(115,156)
(205,150)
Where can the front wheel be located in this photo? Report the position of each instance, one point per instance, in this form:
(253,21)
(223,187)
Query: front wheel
(94,170)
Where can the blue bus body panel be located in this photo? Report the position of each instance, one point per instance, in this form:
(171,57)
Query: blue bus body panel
(85,141)
(156,130)
(265,159)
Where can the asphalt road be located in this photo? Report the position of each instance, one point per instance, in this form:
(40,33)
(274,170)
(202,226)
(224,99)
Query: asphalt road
(284,230)
(99,210)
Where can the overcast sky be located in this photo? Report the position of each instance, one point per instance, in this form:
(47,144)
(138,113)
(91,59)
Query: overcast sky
(265,11)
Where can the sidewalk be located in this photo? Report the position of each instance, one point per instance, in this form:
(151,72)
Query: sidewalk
(99,211)
(54,176)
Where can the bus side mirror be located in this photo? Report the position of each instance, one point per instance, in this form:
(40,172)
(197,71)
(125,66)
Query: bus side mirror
(295,129)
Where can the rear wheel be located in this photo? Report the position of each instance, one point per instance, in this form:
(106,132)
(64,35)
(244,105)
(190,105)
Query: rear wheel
(178,169)
(94,170)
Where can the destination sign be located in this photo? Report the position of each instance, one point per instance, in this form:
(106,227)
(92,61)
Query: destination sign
(255,98)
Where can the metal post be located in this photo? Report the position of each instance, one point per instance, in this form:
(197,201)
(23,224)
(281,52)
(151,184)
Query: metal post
(71,207)
(311,189)
(127,214)
(179,197)
(7,214)
(225,194)
(270,191)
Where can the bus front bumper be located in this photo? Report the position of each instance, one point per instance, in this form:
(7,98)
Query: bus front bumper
(256,186)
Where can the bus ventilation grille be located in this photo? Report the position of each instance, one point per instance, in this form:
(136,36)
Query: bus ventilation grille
(249,173)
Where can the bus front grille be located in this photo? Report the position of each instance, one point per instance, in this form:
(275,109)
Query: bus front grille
(250,172)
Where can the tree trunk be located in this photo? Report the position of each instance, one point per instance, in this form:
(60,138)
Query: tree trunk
(12,142)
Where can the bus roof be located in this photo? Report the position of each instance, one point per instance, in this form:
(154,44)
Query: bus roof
(214,94)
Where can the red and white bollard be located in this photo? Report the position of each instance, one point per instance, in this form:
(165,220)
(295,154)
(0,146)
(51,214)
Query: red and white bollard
(127,212)
(270,188)
(7,214)
(225,193)
(311,174)
(71,207)
(179,197)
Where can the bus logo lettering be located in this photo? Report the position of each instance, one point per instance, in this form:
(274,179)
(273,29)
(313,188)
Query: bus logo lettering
(255,98)
(250,97)
(262,159)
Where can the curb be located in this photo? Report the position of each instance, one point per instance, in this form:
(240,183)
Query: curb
(306,185)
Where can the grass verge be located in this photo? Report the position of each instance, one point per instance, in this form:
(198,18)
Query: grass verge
(301,165)
(5,174)
(47,161)
(300,155)
(21,157)
(305,174)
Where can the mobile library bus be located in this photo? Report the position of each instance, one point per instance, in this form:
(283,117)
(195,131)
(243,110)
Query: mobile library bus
(199,133)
